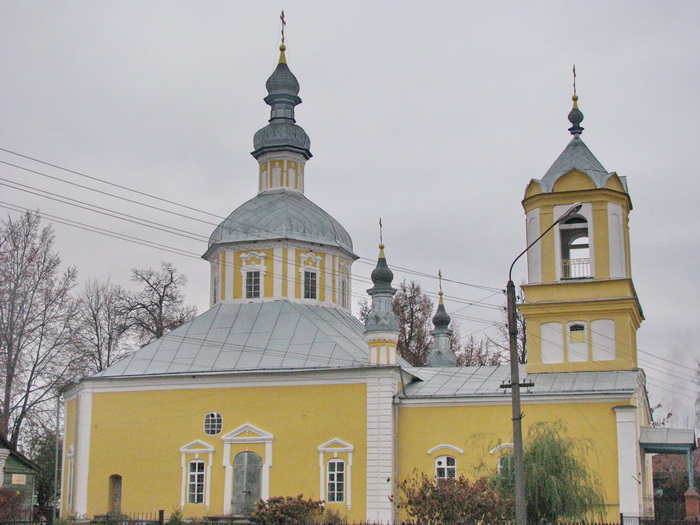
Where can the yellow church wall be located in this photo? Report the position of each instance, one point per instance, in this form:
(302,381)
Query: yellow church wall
(479,429)
(580,291)
(573,181)
(300,418)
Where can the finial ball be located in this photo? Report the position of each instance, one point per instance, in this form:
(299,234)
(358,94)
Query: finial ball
(574,98)
(440,293)
(381,246)
(283,47)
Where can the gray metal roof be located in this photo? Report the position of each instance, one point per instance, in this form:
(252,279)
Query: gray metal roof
(667,440)
(577,156)
(487,381)
(281,214)
(275,335)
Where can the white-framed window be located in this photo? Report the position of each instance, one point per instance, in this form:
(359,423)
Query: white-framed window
(195,483)
(445,467)
(310,284)
(213,422)
(336,480)
(252,284)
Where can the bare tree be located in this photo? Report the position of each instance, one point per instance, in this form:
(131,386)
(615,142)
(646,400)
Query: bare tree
(415,312)
(159,306)
(103,323)
(36,315)
(475,352)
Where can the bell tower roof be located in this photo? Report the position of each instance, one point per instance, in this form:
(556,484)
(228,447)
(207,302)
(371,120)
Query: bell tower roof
(576,156)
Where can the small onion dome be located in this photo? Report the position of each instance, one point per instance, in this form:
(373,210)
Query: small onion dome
(441,319)
(575,117)
(381,275)
(282,81)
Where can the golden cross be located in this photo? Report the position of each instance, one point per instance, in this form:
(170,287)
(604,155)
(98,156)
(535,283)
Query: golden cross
(440,279)
(381,240)
(574,79)
(284,24)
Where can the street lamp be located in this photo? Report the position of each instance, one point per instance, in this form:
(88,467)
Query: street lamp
(519,465)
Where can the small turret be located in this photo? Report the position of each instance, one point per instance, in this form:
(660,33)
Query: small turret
(441,354)
(382,324)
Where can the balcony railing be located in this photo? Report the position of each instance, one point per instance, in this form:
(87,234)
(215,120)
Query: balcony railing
(575,268)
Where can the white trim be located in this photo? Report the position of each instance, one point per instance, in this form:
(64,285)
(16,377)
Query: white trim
(380,448)
(277,272)
(336,446)
(82,456)
(534,254)
(500,447)
(543,398)
(196,447)
(628,457)
(451,447)
(235,437)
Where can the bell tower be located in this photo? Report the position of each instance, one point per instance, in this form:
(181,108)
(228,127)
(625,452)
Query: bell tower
(581,309)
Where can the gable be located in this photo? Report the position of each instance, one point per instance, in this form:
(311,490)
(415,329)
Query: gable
(574,180)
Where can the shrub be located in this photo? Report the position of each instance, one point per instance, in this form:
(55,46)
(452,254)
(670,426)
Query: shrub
(453,500)
(287,511)
(11,504)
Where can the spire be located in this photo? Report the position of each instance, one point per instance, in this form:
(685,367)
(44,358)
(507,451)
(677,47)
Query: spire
(282,133)
(441,354)
(575,116)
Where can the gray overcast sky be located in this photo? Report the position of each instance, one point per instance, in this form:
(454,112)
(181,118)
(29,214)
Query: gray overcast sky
(434,115)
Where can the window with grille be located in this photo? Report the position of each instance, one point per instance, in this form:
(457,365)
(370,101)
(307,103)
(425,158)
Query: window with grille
(445,467)
(252,284)
(195,485)
(310,281)
(336,480)
(213,423)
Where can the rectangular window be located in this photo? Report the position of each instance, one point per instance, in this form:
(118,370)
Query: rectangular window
(336,480)
(252,285)
(445,467)
(309,285)
(195,487)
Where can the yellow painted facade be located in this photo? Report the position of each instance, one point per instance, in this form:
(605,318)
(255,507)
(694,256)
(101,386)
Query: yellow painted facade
(477,430)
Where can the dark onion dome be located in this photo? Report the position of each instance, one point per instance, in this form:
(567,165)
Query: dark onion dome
(441,319)
(282,133)
(575,117)
(381,275)
(281,214)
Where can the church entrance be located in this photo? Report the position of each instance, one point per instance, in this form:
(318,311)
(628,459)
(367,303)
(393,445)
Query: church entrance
(247,476)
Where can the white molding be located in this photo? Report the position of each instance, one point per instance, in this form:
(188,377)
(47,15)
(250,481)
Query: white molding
(336,446)
(628,461)
(529,399)
(196,448)
(235,437)
(534,254)
(500,447)
(82,455)
(450,447)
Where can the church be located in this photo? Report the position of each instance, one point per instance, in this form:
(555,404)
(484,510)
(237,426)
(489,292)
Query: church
(278,390)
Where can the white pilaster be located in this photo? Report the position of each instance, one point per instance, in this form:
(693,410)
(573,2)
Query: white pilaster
(380,448)
(82,453)
(628,457)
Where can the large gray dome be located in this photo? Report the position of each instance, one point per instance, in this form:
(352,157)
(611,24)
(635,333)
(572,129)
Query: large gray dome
(281,214)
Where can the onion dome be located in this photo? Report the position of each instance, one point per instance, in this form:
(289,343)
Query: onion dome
(282,133)
(575,117)
(441,319)
(381,275)
(281,214)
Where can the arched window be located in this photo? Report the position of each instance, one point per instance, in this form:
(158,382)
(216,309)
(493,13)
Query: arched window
(505,465)
(445,467)
(213,423)
(575,249)
(336,480)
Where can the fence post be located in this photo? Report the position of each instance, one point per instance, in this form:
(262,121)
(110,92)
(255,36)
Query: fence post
(161,517)
(622,519)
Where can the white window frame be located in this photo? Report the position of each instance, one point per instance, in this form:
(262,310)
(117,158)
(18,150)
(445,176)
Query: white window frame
(196,481)
(248,265)
(255,285)
(333,448)
(217,424)
(310,262)
(200,450)
(445,460)
(332,478)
